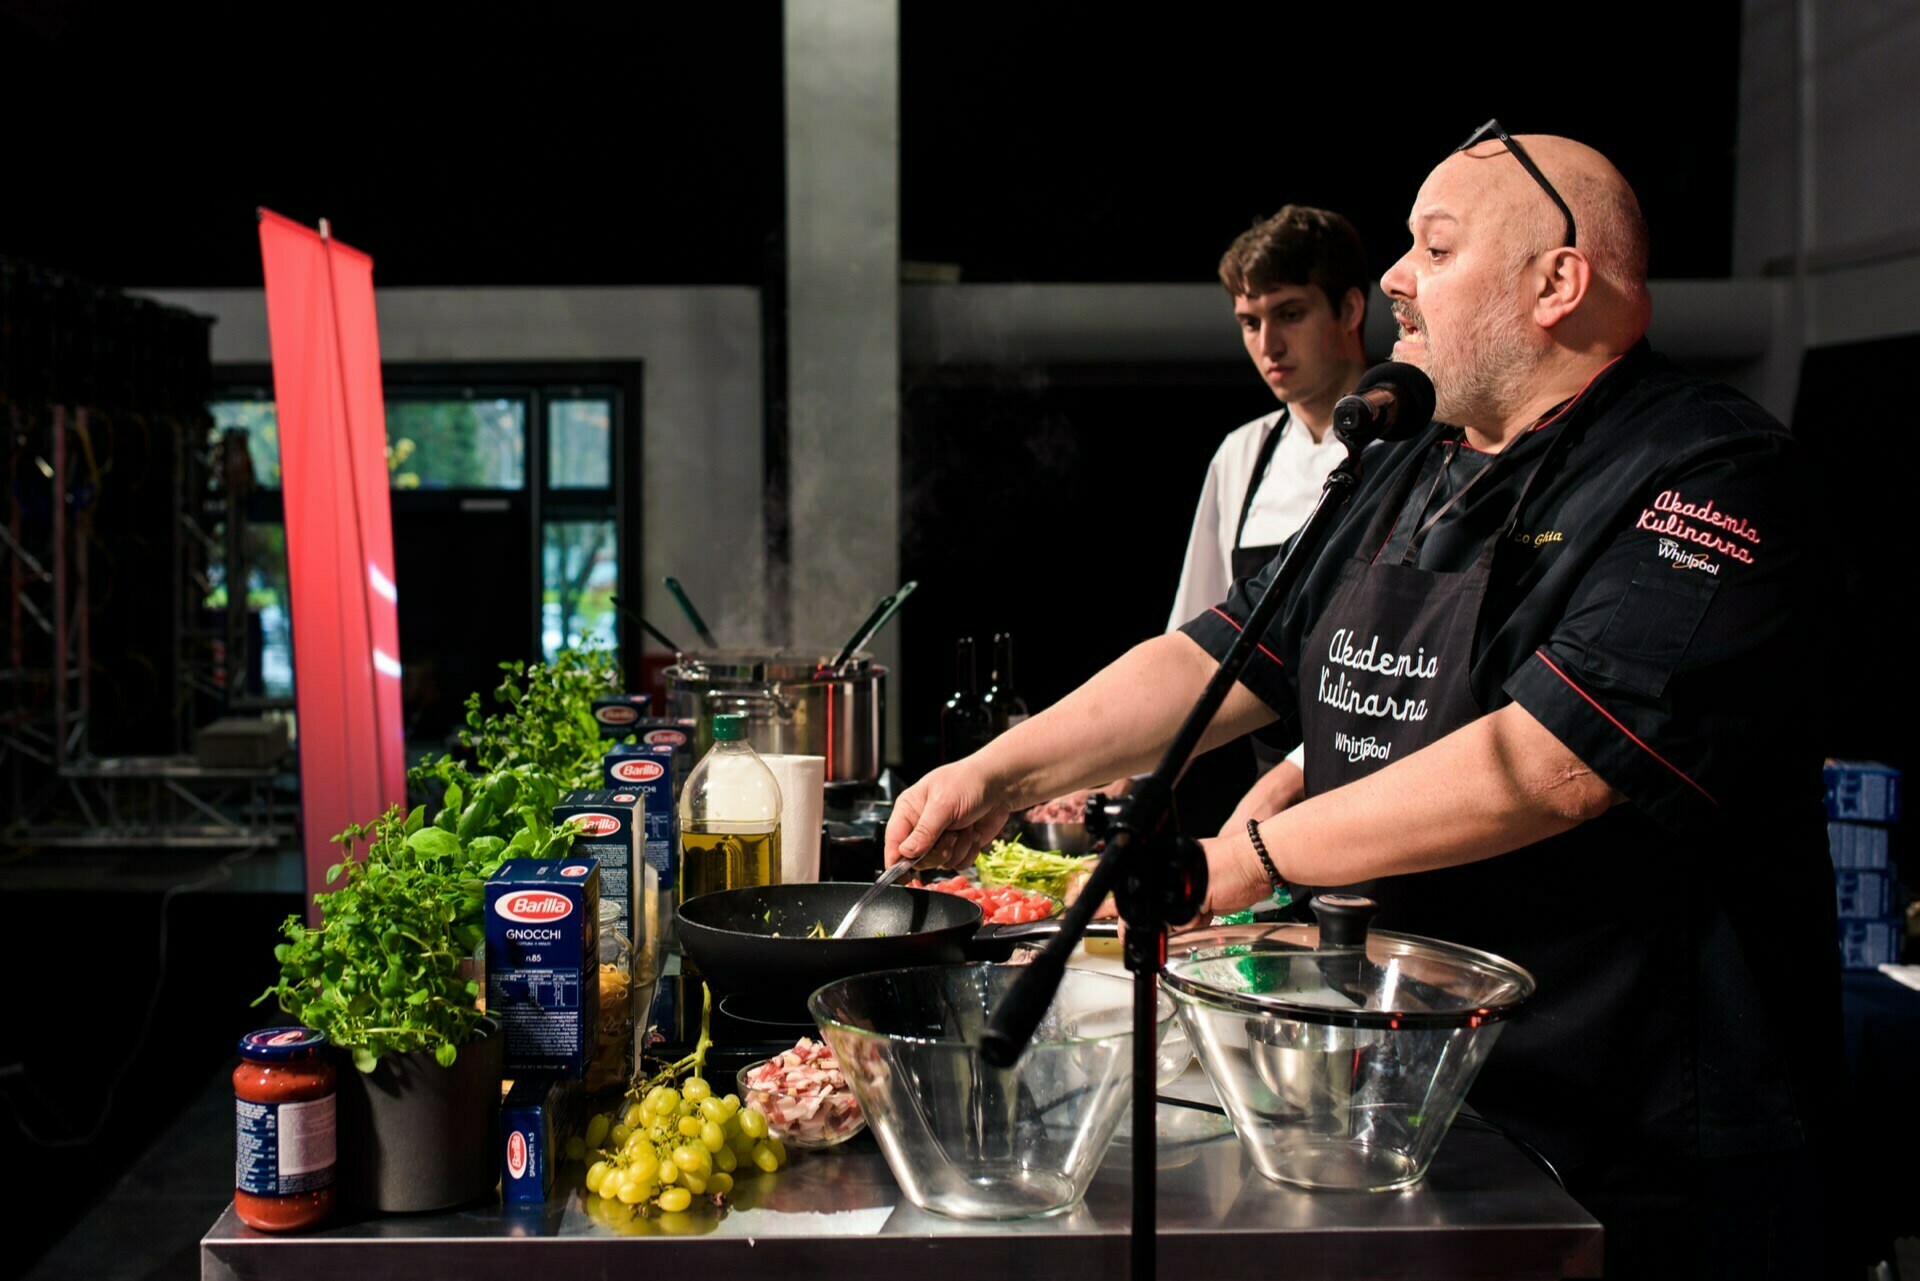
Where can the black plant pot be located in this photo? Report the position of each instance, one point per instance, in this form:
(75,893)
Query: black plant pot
(416,1136)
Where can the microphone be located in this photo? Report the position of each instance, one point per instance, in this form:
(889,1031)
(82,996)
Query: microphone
(1392,402)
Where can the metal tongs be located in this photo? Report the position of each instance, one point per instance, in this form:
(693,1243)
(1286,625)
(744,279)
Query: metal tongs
(888,877)
(882,613)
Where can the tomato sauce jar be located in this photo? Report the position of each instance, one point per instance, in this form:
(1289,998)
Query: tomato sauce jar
(284,1128)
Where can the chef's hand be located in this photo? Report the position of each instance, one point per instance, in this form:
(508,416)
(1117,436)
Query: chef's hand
(947,817)
(1235,879)
(1279,787)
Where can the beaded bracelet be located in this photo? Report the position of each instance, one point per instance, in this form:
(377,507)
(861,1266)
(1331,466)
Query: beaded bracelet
(1260,848)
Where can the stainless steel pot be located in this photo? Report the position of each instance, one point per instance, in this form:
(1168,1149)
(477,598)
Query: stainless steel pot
(794,704)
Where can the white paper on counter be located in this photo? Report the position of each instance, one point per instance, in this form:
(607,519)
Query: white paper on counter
(803,798)
(1908,974)
(836,1223)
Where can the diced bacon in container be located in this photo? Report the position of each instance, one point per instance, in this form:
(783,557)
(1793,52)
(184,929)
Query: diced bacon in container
(805,1096)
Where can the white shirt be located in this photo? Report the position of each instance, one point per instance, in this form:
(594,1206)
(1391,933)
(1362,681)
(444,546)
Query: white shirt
(1292,485)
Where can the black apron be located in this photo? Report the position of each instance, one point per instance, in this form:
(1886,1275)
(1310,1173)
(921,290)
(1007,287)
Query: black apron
(1395,644)
(1245,561)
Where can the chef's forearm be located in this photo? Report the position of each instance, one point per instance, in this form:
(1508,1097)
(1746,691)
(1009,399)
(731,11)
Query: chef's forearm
(1116,724)
(1496,784)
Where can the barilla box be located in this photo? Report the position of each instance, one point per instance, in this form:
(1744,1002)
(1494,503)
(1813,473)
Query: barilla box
(1861,846)
(648,770)
(1863,896)
(617,713)
(533,1124)
(676,732)
(1862,791)
(1866,945)
(616,823)
(543,963)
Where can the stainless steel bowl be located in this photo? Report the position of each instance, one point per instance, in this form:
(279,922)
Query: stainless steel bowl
(1067,838)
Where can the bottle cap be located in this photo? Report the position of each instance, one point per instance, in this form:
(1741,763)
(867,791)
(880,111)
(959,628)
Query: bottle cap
(729,727)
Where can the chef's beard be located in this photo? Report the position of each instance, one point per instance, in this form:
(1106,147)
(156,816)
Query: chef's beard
(1478,375)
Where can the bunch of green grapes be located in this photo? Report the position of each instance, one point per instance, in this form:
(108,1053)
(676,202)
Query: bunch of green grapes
(674,1145)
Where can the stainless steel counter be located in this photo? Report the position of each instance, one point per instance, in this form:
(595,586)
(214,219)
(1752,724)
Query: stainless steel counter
(1484,1210)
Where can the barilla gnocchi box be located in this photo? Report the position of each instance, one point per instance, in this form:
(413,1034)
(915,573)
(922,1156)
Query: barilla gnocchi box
(676,732)
(533,1125)
(649,771)
(617,713)
(543,962)
(616,823)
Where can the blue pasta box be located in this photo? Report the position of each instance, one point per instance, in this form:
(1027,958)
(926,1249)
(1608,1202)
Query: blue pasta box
(1862,895)
(1862,791)
(649,770)
(1866,945)
(533,1121)
(676,732)
(614,823)
(1862,846)
(543,963)
(618,713)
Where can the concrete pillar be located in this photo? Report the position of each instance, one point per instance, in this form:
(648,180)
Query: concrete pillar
(843,318)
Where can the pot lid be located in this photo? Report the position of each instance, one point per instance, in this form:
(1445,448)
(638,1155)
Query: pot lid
(765,665)
(1339,973)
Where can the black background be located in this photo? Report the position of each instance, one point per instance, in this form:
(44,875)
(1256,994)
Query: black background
(492,144)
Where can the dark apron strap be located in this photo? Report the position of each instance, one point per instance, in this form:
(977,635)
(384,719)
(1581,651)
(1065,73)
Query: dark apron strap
(1513,516)
(1264,461)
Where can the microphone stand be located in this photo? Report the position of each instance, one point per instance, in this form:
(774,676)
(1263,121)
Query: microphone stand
(1158,878)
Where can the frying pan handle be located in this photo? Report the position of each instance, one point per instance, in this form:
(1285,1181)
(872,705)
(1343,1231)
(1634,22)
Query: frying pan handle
(1045,929)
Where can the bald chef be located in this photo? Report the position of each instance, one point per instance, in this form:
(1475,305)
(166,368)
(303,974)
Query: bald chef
(1597,760)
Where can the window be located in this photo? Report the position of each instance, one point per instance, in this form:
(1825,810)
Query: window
(580,443)
(514,507)
(478,443)
(580,575)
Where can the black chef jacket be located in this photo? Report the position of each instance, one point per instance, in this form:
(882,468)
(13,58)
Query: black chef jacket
(1650,608)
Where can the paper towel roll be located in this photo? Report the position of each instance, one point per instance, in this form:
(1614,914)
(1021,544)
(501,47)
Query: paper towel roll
(803,799)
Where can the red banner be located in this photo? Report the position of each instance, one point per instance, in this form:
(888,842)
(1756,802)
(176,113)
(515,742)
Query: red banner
(333,469)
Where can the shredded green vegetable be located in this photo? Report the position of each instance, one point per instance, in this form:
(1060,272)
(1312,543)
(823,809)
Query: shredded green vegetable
(1011,863)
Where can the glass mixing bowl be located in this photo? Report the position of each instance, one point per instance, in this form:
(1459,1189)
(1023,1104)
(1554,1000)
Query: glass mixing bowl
(964,1138)
(1340,1055)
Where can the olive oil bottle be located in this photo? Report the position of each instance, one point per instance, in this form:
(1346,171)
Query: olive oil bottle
(729,816)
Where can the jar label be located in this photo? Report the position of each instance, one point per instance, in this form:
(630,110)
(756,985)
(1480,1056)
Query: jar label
(281,1149)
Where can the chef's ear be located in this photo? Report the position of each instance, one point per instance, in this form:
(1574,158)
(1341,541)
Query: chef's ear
(1561,285)
(1353,309)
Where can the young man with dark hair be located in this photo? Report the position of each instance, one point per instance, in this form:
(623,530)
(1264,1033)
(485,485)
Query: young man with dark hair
(1298,281)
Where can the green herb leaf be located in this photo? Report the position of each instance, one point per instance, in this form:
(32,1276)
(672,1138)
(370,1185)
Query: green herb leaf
(434,843)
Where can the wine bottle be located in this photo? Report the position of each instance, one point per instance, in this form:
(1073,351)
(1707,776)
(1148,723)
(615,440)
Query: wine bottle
(1004,706)
(964,726)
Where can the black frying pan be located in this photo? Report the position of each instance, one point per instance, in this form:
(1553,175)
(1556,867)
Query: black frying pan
(731,937)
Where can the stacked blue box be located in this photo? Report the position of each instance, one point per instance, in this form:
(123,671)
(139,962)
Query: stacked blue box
(1860,846)
(617,713)
(1863,895)
(1866,945)
(1863,802)
(1862,791)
